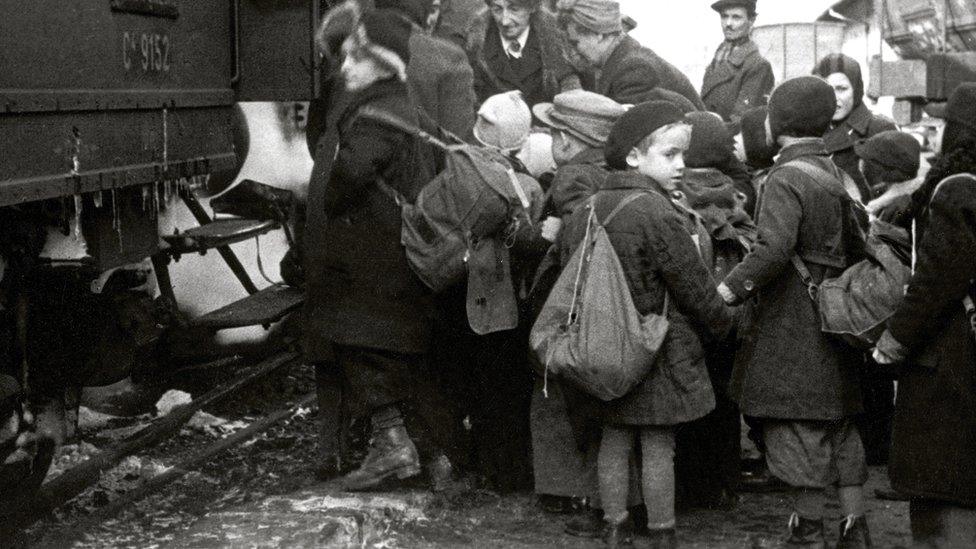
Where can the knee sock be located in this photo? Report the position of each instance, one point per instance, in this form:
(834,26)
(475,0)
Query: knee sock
(613,473)
(657,476)
(851,500)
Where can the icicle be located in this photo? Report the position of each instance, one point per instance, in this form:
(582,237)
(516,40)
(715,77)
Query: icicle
(145,198)
(97,199)
(116,219)
(77,221)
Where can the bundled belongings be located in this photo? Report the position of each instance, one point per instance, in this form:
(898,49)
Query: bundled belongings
(589,331)
(856,305)
(461,224)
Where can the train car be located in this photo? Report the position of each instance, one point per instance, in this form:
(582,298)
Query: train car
(109,111)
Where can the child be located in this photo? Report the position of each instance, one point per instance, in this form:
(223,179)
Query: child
(651,236)
(889,162)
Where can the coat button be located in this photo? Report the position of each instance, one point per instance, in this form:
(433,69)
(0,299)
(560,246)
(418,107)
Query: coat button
(749,285)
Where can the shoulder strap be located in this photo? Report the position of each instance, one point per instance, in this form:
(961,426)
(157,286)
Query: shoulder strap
(620,206)
(383,117)
(822,178)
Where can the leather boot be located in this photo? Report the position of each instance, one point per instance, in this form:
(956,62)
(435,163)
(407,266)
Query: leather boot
(854,533)
(440,473)
(806,533)
(662,539)
(391,453)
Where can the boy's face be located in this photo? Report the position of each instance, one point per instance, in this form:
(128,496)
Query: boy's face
(663,161)
(565,147)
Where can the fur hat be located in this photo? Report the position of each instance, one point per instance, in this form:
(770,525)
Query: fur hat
(837,62)
(896,155)
(634,126)
(801,107)
(337,24)
(385,36)
(504,121)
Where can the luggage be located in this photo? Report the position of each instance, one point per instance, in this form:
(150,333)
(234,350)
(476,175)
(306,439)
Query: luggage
(461,224)
(589,331)
(856,305)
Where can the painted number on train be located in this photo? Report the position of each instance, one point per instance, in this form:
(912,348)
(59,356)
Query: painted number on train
(145,51)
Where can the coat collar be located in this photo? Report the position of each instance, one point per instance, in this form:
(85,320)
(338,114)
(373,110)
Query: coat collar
(810,146)
(742,52)
(859,119)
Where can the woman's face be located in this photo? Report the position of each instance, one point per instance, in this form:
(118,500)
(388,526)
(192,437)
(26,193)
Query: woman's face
(844,91)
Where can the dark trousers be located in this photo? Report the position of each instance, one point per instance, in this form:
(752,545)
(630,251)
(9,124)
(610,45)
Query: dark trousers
(937,524)
(879,410)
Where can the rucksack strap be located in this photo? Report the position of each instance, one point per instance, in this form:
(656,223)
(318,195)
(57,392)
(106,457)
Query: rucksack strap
(384,117)
(619,207)
(823,178)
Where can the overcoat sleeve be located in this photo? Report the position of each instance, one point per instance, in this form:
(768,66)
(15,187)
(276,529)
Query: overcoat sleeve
(779,222)
(366,149)
(689,283)
(946,265)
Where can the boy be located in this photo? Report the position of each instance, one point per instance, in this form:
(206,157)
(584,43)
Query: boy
(802,384)
(651,236)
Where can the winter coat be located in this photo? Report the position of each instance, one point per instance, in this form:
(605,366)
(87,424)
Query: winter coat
(839,140)
(442,83)
(633,71)
(577,181)
(934,439)
(652,238)
(541,72)
(786,367)
(741,82)
(360,289)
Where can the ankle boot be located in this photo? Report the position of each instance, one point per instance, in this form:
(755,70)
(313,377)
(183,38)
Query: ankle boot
(854,533)
(391,453)
(618,534)
(662,539)
(806,533)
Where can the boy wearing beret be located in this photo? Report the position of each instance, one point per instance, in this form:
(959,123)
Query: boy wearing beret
(652,236)
(802,384)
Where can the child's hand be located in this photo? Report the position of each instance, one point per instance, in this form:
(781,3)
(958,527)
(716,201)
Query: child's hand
(551,227)
(726,294)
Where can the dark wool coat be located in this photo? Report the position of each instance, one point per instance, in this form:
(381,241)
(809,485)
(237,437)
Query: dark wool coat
(632,71)
(786,367)
(360,289)
(577,181)
(652,238)
(541,72)
(738,84)
(441,81)
(934,441)
(839,140)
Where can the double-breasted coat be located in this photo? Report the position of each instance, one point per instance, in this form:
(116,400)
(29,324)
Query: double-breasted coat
(934,438)
(739,83)
(786,367)
(632,71)
(653,240)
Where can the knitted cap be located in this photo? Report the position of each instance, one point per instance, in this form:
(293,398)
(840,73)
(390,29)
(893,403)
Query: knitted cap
(759,153)
(504,121)
(897,155)
(749,5)
(586,115)
(635,125)
(711,143)
(961,107)
(837,62)
(801,107)
(385,36)
(600,16)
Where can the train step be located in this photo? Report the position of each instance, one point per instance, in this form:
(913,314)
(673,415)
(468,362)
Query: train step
(219,232)
(268,305)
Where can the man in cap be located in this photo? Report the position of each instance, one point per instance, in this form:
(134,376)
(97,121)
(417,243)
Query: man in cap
(738,78)
(625,71)
(802,384)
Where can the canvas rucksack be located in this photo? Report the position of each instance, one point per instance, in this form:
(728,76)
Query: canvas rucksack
(856,305)
(589,331)
(461,224)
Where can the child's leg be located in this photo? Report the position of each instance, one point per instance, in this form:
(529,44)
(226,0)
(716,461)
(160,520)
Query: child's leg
(613,473)
(657,471)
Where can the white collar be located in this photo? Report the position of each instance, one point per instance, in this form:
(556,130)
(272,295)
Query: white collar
(521,39)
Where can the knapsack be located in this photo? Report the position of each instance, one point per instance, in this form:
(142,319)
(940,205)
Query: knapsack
(460,225)
(856,305)
(589,331)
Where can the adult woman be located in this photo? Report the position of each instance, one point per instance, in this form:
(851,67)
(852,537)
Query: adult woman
(934,439)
